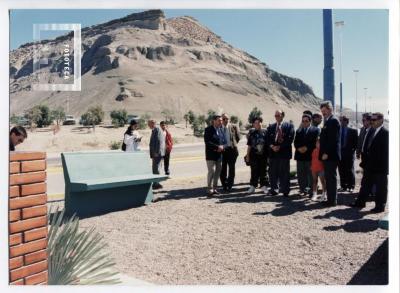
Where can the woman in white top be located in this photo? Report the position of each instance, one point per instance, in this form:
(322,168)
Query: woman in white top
(132,137)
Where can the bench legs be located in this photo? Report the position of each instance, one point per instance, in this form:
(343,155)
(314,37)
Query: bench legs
(97,202)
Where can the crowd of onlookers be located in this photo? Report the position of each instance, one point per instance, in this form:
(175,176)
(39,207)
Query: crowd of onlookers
(323,144)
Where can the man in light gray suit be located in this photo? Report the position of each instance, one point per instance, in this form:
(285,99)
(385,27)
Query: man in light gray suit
(156,149)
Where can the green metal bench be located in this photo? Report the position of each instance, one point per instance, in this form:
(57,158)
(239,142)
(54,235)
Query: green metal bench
(102,182)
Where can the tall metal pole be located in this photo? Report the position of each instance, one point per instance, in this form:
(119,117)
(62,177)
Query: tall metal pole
(365,99)
(329,74)
(339,25)
(355,73)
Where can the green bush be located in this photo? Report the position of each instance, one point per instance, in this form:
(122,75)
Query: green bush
(94,116)
(14,119)
(198,126)
(253,114)
(39,115)
(210,116)
(115,145)
(58,114)
(119,118)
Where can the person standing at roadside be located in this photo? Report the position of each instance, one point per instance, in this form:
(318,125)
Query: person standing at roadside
(304,144)
(156,148)
(214,146)
(168,146)
(132,138)
(257,156)
(329,152)
(230,154)
(280,137)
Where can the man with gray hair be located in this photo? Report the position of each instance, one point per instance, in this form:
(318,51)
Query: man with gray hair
(329,152)
(156,149)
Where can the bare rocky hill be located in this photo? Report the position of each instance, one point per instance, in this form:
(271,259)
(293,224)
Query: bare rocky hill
(146,63)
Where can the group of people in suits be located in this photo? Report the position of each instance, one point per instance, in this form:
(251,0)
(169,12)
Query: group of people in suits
(319,150)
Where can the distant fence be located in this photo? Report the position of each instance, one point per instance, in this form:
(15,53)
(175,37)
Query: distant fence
(27,219)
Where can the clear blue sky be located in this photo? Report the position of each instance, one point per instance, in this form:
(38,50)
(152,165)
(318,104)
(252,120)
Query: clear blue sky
(289,41)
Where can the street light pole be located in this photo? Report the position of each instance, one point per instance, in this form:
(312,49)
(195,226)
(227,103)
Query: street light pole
(365,99)
(339,25)
(355,73)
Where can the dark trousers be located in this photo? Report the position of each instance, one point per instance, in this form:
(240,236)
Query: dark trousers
(346,172)
(369,180)
(229,157)
(156,162)
(279,171)
(331,180)
(304,176)
(258,167)
(166,162)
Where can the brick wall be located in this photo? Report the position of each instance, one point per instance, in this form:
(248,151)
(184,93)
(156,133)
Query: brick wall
(27,218)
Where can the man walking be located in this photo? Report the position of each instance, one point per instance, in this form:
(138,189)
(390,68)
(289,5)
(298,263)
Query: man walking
(280,137)
(156,148)
(17,135)
(348,146)
(214,145)
(366,120)
(376,165)
(230,154)
(304,143)
(329,152)
(168,146)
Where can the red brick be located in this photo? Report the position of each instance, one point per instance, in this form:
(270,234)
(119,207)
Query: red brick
(31,166)
(24,178)
(35,234)
(36,279)
(18,282)
(35,188)
(15,239)
(35,257)
(34,212)
(15,215)
(28,270)
(15,167)
(28,247)
(14,191)
(28,201)
(28,224)
(16,262)
(26,156)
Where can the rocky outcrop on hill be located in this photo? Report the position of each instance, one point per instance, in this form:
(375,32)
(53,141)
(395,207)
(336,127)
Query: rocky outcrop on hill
(146,64)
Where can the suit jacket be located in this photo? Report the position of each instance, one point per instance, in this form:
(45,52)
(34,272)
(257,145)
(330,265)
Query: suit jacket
(285,151)
(157,143)
(330,139)
(234,135)
(360,140)
(212,141)
(351,140)
(376,157)
(305,139)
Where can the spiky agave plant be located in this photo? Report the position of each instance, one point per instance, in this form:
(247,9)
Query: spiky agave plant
(76,257)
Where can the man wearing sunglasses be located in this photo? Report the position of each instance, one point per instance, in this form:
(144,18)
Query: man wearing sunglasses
(375,164)
(17,135)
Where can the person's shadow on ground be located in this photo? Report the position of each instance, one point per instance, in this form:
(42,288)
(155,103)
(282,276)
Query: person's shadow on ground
(357,226)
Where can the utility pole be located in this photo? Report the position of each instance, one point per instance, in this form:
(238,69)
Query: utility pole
(356,71)
(339,25)
(365,99)
(329,74)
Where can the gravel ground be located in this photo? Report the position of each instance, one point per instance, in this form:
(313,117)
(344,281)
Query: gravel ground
(186,238)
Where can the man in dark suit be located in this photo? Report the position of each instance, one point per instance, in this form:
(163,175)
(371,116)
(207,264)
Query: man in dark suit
(214,143)
(17,135)
(348,146)
(376,165)
(230,154)
(304,143)
(329,152)
(280,137)
(366,120)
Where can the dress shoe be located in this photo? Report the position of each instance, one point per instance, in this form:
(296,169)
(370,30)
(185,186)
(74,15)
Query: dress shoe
(272,192)
(286,194)
(377,210)
(342,189)
(215,191)
(357,205)
(328,204)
